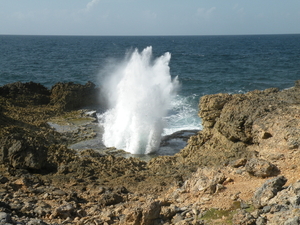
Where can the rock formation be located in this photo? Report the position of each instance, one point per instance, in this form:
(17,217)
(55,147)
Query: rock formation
(246,125)
(70,96)
(242,168)
(66,96)
(26,93)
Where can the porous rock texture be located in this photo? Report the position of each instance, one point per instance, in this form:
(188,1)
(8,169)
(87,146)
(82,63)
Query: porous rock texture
(71,96)
(258,123)
(242,168)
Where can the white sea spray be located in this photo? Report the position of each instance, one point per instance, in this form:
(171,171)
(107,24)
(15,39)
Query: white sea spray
(139,94)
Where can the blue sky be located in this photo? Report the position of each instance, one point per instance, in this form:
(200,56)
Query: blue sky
(149,17)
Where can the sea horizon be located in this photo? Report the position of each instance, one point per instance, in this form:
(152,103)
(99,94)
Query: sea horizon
(151,35)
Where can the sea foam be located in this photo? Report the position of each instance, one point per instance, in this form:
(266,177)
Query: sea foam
(139,94)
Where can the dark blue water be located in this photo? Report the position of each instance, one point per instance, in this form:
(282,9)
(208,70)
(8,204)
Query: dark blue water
(204,64)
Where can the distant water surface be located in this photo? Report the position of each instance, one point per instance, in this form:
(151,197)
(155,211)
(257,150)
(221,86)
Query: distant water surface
(203,64)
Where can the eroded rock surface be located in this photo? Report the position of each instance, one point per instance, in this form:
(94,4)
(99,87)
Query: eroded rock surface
(23,151)
(24,93)
(71,96)
(258,123)
(242,168)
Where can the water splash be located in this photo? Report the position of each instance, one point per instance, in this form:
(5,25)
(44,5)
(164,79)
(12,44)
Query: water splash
(139,94)
(183,115)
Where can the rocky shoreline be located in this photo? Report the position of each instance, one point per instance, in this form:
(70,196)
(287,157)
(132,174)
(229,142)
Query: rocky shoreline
(242,168)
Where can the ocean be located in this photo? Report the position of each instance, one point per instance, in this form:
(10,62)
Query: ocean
(202,64)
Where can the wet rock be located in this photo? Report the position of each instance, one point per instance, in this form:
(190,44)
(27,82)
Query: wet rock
(267,191)
(261,168)
(71,96)
(183,135)
(173,143)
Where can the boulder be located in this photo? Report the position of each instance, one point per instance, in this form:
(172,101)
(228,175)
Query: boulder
(289,196)
(279,205)
(4,218)
(64,211)
(110,198)
(238,163)
(132,217)
(23,152)
(151,212)
(261,168)
(268,191)
(70,96)
(205,180)
(146,214)
(168,212)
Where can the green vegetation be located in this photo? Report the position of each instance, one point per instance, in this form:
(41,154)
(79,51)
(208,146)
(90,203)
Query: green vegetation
(220,216)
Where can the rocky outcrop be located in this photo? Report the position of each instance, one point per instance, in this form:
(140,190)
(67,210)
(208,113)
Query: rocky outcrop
(238,115)
(211,107)
(258,123)
(204,180)
(70,96)
(26,93)
(219,177)
(23,151)
(24,108)
(269,189)
(144,214)
(66,96)
(276,204)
